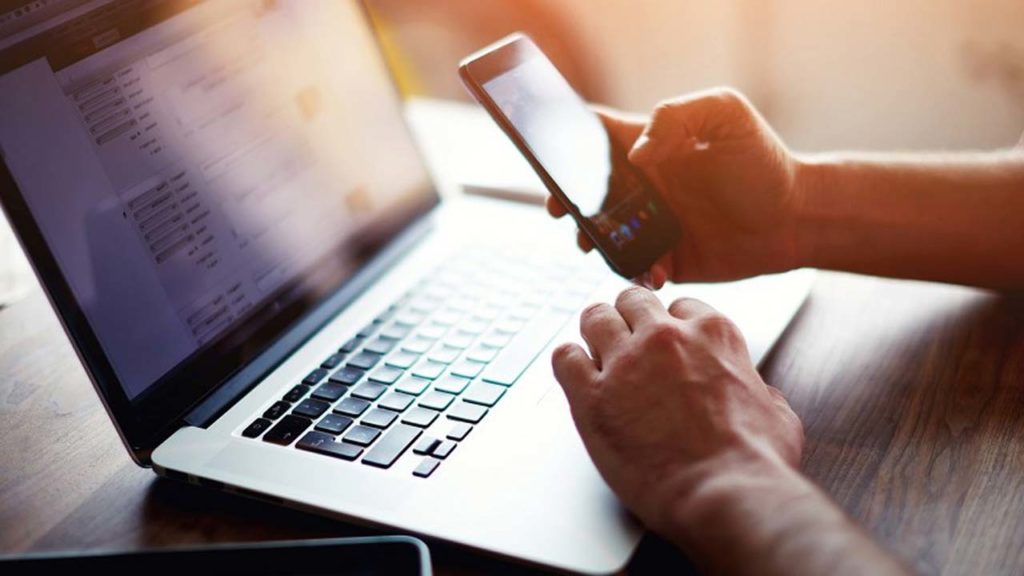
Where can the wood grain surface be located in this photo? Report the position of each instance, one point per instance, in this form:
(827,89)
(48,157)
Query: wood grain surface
(912,395)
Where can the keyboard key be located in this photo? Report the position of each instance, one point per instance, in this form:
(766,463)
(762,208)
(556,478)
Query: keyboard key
(396,401)
(277,410)
(447,317)
(484,393)
(459,340)
(425,445)
(467,368)
(362,435)
(412,385)
(257,427)
(427,369)
(443,449)
(296,393)
(459,431)
(481,353)
(369,390)
(379,418)
(331,363)
(465,412)
(431,331)
(436,400)
(444,354)
(364,360)
(393,445)
(402,359)
(287,430)
(496,340)
(386,315)
(419,417)
(385,375)
(451,384)
(351,345)
(351,407)
(325,444)
(315,376)
(380,346)
(368,330)
(509,326)
(347,376)
(395,332)
(424,304)
(514,359)
(334,423)
(417,345)
(473,326)
(409,319)
(426,468)
(311,408)
(330,391)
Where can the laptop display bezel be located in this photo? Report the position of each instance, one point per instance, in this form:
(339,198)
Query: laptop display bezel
(148,420)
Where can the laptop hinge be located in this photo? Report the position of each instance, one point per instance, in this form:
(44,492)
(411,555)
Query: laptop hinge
(225,395)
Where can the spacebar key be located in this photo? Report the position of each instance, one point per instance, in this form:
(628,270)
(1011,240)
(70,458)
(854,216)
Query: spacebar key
(392,445)
(520,352)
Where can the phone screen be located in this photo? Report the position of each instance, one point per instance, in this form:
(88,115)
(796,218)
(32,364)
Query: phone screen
(572,145)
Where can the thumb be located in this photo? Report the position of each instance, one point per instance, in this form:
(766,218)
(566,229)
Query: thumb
(623,128)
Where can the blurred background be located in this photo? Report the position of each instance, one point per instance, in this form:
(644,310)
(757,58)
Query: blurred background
(897,74)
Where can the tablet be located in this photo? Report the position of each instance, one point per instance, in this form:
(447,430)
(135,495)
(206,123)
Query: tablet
(385,555)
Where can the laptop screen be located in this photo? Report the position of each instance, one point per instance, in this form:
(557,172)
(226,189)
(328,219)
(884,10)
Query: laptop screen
(203,173)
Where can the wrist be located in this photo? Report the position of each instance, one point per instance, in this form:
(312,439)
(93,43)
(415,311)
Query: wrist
(724,490)
(815,185)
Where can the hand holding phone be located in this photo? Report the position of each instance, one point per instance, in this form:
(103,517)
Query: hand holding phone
(566,143)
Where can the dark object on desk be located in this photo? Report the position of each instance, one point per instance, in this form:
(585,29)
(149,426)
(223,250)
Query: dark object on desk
(390,555)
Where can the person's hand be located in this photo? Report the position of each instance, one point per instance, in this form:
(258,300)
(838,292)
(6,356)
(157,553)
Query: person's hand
(729,179)
(668,399)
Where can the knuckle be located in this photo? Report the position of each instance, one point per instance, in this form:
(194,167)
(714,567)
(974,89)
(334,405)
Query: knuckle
(562,353)
(631,293)
(717,326)
(626,361)
(730,96)
(591,312)
(681,305)
(664,335)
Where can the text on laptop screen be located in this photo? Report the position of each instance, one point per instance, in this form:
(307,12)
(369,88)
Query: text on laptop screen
(189,162)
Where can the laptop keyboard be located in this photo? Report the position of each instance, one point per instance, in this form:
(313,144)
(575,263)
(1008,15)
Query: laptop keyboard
(433,365)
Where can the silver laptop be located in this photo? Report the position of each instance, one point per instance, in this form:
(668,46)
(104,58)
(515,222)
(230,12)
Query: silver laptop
(229,216)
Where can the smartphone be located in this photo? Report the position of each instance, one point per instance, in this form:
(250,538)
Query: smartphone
(370,556)
(567,145)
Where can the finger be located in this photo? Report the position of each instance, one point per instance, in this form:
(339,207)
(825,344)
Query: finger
(623,128)
(662,271)
(574,370)
(638,307)
(603,328)
(658,276)
(555,208)
(584,241)
(686,308)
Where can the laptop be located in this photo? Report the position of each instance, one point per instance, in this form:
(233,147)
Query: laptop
(232,220)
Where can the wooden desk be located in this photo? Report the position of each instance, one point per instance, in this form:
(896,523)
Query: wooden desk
(912,395)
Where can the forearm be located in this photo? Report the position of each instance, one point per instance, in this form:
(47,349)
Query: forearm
(957,218)
(765,518)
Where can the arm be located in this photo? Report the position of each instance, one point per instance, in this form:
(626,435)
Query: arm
(950,218)
(683,429)
(748,205)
